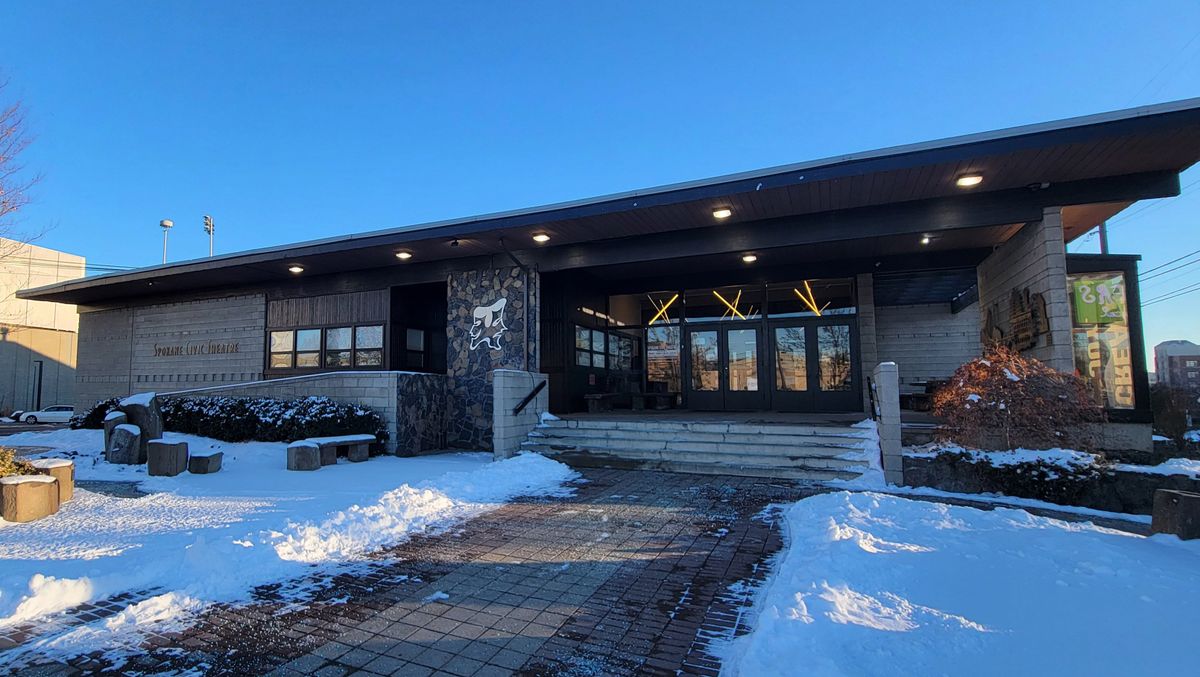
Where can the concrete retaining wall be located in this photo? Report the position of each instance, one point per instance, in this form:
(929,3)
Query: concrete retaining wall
(509,387)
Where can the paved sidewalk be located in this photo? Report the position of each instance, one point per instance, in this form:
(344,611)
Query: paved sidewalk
(639,573)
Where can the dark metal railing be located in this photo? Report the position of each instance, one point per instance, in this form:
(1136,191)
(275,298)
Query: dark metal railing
(541,385)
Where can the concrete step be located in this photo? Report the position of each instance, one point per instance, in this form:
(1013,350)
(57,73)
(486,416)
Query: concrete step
(831,439)
(799,458)
(660,425)
(687,445)
(800,473)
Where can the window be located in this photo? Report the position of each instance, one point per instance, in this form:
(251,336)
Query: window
(337,347)
(1100,333)
(590,350)
(414,344)
(1191,363)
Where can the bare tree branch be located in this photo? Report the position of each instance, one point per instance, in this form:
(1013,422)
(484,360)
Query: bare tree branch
(15,184)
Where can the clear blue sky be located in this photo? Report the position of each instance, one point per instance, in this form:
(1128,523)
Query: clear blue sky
(288,121)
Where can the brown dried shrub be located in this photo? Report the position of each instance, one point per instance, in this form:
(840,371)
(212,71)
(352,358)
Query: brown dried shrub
(1005,400)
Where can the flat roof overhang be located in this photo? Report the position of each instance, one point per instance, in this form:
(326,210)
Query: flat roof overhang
(1093,166)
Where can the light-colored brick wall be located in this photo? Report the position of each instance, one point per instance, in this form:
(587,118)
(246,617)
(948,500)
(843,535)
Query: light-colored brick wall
(926,341)
(375,390)
(510,386)
(102,368)
(1036,257)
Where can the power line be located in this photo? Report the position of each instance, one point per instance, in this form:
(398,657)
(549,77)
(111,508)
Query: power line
(1151,270)
(1173,294)
(1123,218)
(1164,67)
(1170,270)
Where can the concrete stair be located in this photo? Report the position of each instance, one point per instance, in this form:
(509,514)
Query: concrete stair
(812,452)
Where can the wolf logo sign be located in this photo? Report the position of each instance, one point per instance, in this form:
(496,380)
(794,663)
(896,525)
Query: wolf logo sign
(488,325)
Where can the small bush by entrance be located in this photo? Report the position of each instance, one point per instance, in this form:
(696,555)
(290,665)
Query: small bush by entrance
(240,419)
(1005,400)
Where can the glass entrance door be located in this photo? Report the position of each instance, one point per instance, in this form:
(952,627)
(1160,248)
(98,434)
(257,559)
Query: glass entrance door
(813,366)
(724,367)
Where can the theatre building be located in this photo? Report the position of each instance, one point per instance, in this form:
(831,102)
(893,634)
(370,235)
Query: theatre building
(775,292)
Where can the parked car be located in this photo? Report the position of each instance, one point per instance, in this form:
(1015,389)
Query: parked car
(59,413)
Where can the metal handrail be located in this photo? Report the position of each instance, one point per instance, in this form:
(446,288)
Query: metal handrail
(541,385)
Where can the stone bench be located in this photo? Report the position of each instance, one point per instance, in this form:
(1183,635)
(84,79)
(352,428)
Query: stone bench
(205,462)
(24,498)
(60,469)
(166,459)
(356,447)
(304,455)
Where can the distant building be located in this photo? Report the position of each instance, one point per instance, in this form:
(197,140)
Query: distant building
(38,339)
(1177,364)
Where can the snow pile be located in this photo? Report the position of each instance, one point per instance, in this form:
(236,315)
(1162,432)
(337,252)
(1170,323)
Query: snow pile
(873,584)
(1067,459)
(454,497)
(1173,466)
(209,538)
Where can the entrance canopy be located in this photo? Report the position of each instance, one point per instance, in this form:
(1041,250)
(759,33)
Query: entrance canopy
(1092,166)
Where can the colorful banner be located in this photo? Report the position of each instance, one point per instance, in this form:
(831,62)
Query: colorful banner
(1098,298)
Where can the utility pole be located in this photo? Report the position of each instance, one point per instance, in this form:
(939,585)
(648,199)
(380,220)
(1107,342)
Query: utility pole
(208,228)
(1104,237)
(166,225)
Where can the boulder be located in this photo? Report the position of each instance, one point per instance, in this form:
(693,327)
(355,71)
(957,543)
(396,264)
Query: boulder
(112,420)
(205,463)
(60,469)
(24,498)
(303,455)
(1176,512)
(143,411)
(125,445)
(166,459)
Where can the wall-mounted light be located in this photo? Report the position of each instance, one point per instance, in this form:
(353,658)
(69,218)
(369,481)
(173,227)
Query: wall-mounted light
(404,255)
(722,213)
(968,180)
(541,237)
(749,258)
(295,270)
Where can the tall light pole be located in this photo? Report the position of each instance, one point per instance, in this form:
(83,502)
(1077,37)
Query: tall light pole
(166,225)
(208,228)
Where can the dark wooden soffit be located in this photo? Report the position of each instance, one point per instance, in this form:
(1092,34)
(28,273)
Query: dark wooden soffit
(1095,151)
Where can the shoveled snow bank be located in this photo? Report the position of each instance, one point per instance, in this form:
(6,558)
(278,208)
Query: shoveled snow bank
(1173,466)
(879,585)
(206,538)
(1067,459)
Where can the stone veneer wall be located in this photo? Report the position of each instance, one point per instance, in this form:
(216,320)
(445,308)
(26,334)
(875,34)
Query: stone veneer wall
(1036,257)
(412,405)
(469,370)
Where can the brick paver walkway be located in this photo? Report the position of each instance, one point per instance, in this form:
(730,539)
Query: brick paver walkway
(638,573)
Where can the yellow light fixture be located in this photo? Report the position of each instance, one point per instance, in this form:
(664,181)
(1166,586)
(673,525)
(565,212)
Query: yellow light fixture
(809,300)
(968,180)
(732,308)
(925,239)
(404,256)
(541,237)
(662,310)
(749,258)
(722,213)
(295,270)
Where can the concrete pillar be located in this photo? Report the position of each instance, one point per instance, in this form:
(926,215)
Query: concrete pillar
(886,376)
(868,345)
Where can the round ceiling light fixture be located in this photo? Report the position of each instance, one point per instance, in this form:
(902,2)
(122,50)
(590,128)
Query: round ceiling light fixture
(541,237)
(295,270)
(404,255)
(749,258)
(925,239)
(968,180)
(722,213)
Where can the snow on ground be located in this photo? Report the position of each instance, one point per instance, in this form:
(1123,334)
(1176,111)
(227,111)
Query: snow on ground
(205,538)
(1172,466)
(872,584)
(1068,459)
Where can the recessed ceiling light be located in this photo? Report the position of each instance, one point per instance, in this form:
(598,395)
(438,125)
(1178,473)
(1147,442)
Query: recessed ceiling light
(541,237)
(925,239)
(749,258)
(722,213)
(404,256)
(968,180)
(296,269)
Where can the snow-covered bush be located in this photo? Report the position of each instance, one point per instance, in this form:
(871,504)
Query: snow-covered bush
(11,464)
(94,418)
(236,419)
(1005,400)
